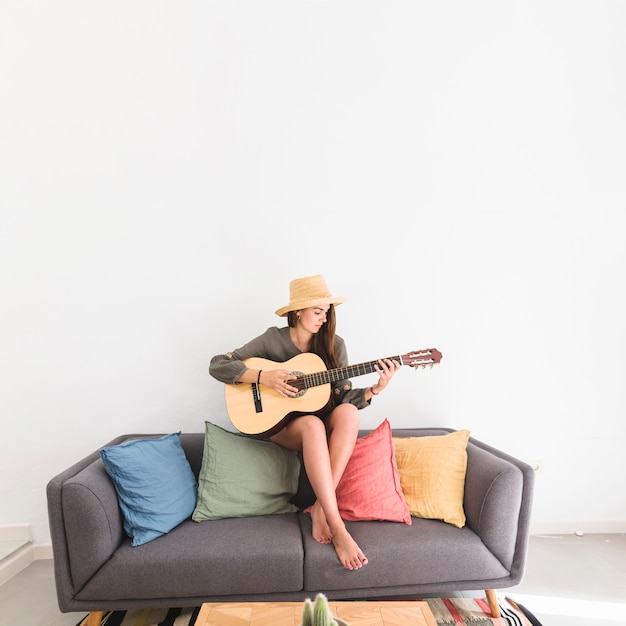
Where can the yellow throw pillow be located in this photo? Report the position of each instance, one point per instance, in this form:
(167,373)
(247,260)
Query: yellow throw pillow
(432,475)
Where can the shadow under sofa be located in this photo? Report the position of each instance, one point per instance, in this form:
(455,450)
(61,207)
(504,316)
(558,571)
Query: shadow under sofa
(274,557)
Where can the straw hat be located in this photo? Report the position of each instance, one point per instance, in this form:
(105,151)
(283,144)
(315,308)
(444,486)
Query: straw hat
(308,292)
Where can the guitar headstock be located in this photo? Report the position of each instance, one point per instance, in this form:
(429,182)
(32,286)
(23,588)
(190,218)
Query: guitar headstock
(422,358)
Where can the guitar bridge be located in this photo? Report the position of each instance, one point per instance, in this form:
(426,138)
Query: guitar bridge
(256,396)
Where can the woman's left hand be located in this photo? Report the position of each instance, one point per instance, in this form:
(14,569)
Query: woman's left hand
(386,368)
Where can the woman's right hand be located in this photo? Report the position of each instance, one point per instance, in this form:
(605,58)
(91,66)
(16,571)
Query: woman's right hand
(278,380)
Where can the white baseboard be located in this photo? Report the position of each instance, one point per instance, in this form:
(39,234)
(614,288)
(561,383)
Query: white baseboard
(15,532)
(19,549)
(569,528)
(42,551)
(16,562)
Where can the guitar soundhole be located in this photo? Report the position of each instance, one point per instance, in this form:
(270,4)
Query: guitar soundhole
(299,383)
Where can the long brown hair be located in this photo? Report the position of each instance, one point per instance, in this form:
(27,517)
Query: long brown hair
(323,343)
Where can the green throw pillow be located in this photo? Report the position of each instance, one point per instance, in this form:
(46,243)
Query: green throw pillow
(241,477)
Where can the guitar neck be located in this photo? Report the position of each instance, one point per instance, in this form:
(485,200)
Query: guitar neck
(340,373)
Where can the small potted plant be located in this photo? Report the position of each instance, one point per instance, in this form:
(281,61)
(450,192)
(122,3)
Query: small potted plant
(318,613)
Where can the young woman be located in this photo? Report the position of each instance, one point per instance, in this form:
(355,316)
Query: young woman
(326,441)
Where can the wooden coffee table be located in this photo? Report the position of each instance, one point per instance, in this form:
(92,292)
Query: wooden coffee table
(382,613)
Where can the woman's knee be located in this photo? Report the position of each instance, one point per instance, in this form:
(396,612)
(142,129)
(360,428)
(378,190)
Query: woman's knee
(345,417)
(311,425)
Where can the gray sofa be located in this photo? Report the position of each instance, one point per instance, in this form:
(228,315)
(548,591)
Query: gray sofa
(274,557)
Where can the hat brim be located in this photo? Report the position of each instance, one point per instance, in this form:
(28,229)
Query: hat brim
(307,304)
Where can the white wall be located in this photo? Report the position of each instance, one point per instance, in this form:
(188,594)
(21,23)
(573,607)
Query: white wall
(456,169)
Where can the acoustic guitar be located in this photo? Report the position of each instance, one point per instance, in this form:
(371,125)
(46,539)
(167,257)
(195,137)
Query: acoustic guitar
(261,412)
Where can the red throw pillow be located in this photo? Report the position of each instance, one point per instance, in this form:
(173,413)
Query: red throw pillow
(370,487)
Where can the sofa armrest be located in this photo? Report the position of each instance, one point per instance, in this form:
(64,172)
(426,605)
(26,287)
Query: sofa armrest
(85,521)
(497,503)
(93,521)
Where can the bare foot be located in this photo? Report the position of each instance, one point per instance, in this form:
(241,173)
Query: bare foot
(349,553)
(321,531)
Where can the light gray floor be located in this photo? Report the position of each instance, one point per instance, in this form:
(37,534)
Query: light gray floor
(569,581)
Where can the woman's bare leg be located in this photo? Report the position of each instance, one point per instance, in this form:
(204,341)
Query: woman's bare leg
(342,429)
(308,433)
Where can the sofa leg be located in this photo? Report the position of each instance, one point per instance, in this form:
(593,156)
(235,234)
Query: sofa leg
(95,617)
(493,602)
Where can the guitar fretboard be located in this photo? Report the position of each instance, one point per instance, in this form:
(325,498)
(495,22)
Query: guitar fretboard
(331,376)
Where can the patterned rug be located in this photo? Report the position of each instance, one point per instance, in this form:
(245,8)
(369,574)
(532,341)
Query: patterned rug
(447,612)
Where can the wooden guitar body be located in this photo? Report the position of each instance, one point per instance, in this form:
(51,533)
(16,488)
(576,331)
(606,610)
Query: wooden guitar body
(276,410)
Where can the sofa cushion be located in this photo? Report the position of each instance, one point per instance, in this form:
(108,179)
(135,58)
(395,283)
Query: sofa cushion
(241,477)
(155,486)
(370,486)
(429,552)
(432,474)
(252,555)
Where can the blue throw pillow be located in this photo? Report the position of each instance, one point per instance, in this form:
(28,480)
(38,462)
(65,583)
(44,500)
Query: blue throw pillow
(155,485)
